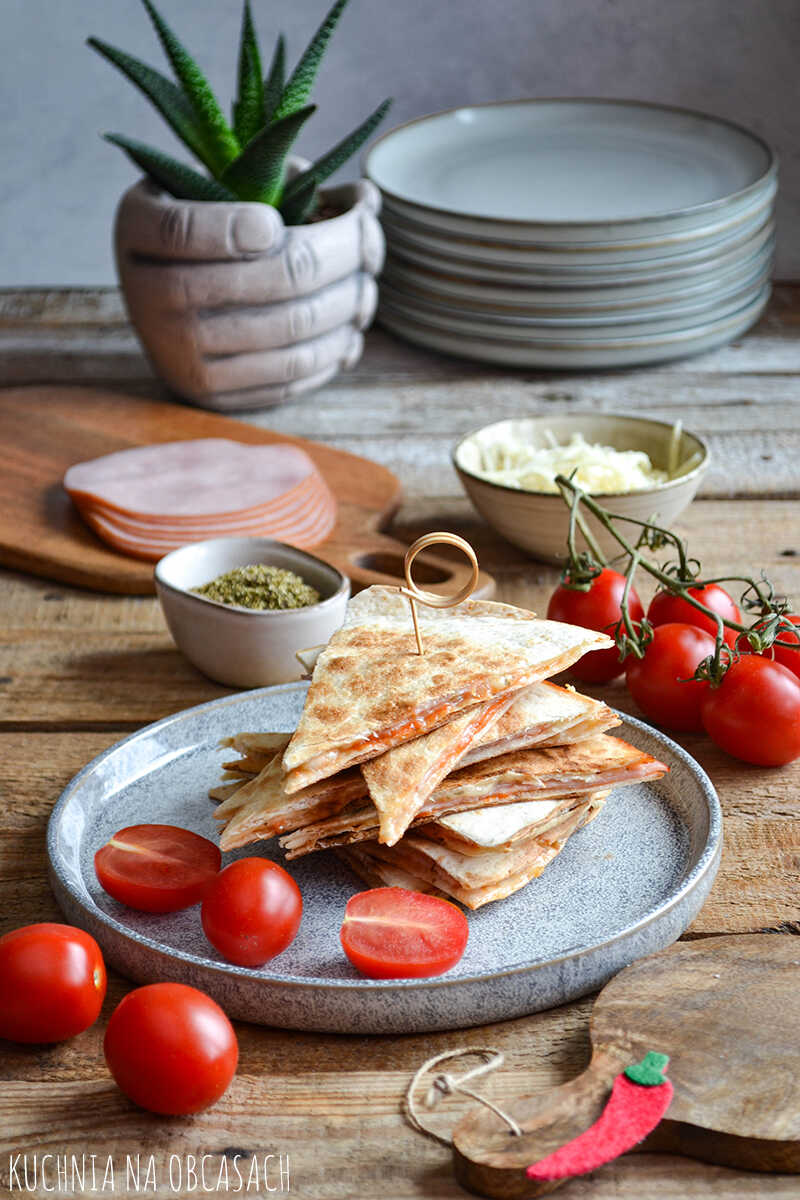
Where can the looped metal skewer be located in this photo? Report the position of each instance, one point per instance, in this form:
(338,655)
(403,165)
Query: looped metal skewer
(432,599)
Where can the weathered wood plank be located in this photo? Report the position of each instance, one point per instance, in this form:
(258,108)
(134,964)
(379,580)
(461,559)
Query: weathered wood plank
(741,399)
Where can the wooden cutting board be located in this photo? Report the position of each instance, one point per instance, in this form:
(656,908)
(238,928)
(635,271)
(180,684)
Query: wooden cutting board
(727,1012)
(44,430)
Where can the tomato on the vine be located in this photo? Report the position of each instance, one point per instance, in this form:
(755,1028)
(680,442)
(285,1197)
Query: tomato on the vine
(754,713)
(251,911)
(170,1048)
(661,683)
(52,983)
(157,868)
(666,609)
(599,608)
(392,933)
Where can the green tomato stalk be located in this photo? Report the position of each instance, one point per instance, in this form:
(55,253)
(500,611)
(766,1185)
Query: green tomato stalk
(676,578)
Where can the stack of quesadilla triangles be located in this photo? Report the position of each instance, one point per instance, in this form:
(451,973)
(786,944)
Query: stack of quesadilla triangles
(488,767)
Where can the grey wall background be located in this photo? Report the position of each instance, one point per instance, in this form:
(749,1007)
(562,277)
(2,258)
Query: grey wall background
(59,182)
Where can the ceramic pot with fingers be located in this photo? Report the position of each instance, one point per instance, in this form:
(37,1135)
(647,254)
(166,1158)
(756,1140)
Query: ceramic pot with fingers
(237,310)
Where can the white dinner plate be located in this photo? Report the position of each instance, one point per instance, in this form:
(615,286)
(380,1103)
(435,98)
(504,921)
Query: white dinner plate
(418,220)
(401,233)
(564,354)
(577,329)
(574,305)
(572,169)
(653,271)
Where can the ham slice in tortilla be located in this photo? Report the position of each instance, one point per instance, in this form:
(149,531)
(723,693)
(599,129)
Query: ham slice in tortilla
(148,500)
(371,690)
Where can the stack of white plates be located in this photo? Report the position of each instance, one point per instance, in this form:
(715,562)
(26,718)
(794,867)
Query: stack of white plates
(574,233)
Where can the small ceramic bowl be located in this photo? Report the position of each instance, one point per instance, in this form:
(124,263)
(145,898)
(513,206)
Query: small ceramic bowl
(538,521)
(237,646)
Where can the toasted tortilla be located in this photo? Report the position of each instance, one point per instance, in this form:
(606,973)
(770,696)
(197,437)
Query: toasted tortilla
(264,744)
(400,781)
(543,714)
(380,874)
(550,774)
(261,808)
(504,826)
(371,689)
(472,882)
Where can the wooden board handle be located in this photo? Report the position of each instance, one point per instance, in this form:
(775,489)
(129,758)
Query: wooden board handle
(491,1161)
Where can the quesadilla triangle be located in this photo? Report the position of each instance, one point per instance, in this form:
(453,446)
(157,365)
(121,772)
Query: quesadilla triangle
(505,826)
(261,808)
(543,714)
(588,766)
(371,689)
(474,881)
(401,780)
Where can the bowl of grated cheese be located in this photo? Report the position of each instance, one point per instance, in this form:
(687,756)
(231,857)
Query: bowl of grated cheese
(635,466)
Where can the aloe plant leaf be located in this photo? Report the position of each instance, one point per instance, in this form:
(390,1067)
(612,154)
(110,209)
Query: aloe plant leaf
(223,145)
(325,166)
(175,177)
(296,208)
(248,108)
(162,94)
(258,172)
(273,84)
(301,81)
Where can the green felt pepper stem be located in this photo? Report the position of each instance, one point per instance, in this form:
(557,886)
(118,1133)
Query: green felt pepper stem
(650,1071)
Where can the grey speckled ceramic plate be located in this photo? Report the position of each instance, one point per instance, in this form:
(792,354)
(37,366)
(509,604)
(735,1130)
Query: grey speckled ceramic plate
(626,886)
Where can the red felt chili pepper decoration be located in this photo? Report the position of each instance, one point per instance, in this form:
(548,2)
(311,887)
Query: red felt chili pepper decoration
(639,1098)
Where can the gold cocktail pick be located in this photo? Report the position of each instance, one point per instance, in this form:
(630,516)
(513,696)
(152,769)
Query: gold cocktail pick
(432,599)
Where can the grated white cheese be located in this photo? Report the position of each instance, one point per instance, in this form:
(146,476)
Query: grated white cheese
(597,469)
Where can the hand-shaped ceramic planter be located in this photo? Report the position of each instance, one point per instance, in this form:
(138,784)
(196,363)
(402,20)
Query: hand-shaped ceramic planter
(237,310)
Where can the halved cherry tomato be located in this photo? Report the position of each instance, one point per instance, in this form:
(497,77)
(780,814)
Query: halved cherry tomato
(785,655)
(661,683)
(52,983)
(157,868)
(170,1048)
(754,714)
(666,609)
(599,608)
(251,911)
(391,933)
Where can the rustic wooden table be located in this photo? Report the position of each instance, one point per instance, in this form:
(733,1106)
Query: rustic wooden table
(81,669)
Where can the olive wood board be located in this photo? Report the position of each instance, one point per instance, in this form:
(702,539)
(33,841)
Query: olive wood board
(727,1012)
(44,430)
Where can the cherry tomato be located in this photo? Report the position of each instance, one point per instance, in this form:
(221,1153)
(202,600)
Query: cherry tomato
(785,655)
(657,682)
(52,983)
(754,714)
(251,911)
(170,1048)
(666,609)
(599,608)
(157,868)
(392,933)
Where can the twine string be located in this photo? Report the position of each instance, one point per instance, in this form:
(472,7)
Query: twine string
(444,1084)
(415,594)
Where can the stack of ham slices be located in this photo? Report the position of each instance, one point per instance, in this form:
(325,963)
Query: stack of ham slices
(149,500)
(459,771)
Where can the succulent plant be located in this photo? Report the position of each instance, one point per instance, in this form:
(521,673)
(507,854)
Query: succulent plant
(246,159)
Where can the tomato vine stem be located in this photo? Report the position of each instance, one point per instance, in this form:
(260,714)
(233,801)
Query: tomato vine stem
(675,578)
